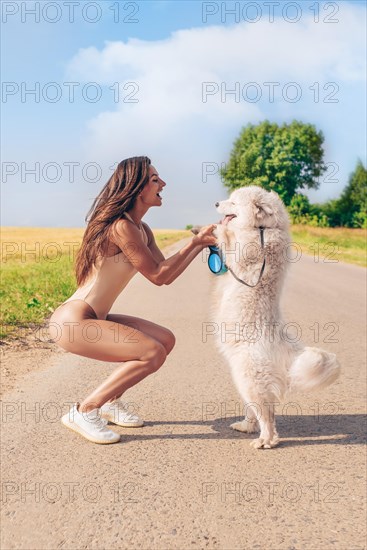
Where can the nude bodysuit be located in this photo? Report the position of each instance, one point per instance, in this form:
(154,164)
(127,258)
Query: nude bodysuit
(108,280)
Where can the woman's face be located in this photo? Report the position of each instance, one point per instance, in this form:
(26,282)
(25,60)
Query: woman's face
(150,195)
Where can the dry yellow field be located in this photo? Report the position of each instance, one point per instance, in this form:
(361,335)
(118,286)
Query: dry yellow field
(37,243)
(38,274)
(37,265)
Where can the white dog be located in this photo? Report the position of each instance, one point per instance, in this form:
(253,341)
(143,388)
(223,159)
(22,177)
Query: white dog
(264,365)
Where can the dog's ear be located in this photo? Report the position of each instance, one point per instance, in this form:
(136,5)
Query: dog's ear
(262,210)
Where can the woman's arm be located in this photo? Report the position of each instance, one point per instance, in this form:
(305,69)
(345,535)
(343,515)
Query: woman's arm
(152,245)
(164,271)
(186,260)
(157,254)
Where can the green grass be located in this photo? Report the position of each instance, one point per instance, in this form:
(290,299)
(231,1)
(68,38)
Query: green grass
(37,273)
(37,266)
(332,243)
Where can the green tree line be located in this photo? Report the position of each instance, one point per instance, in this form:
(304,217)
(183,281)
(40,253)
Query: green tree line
(287,159)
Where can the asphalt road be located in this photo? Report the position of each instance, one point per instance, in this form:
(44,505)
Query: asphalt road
(186,480)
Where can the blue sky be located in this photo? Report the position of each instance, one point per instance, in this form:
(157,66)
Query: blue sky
(163,72)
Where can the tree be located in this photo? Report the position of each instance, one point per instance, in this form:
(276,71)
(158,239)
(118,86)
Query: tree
(352,204)
(332,212)
(279,158)
(301,211)
(299,207)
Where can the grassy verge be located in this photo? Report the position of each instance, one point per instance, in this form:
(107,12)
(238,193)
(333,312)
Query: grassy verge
(37,273)
(332,243)
(37,266)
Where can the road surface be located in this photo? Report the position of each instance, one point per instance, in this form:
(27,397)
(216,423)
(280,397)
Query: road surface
(186,480)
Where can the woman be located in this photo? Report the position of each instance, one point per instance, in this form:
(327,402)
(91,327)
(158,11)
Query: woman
(116,244)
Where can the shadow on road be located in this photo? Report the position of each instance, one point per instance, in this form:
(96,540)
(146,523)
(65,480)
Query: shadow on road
(339,429)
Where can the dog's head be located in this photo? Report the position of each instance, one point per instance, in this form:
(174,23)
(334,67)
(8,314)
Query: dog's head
(251,207)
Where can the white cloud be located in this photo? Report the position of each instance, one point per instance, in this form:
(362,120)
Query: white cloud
(174,126)
(266,50)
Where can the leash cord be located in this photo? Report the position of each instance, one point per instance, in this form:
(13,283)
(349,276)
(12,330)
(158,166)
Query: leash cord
(262,267)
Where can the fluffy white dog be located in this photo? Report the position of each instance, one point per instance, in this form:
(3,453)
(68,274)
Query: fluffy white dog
(265,365)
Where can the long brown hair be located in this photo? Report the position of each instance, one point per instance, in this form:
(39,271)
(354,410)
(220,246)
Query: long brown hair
(117,196)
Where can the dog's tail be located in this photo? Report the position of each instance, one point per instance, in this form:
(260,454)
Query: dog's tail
(314,369)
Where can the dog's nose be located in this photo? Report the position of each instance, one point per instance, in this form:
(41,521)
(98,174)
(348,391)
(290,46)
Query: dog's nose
(217,204)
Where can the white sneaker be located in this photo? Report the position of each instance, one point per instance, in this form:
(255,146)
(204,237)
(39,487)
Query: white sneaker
(116,413)
(90,425)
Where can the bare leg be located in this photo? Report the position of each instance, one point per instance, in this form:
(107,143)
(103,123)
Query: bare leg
(161,334)
(123,378)
(142,350)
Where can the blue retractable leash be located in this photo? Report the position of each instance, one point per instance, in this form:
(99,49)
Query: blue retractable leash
(217,265)
(216,262)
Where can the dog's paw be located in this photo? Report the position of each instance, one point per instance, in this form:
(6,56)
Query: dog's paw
(245,427)
(196,229)
(261,443)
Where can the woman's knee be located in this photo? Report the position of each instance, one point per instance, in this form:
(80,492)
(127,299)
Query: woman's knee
(169,341)
(154,356)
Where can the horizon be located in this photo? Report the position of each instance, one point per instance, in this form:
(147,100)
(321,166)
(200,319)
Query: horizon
(176,81)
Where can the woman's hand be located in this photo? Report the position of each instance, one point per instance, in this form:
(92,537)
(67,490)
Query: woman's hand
(204,237)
